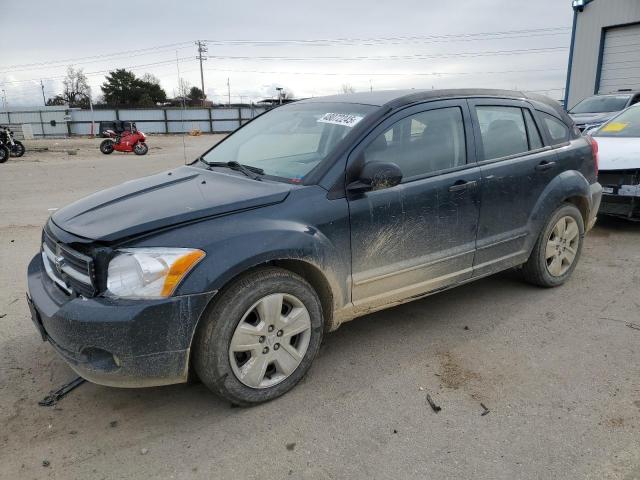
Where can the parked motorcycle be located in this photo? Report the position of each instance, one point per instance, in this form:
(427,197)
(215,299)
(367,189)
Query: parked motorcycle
(16,148)
(130,140)
(4,153)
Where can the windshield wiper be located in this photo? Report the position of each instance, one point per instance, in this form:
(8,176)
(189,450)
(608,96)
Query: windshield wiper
(248,170)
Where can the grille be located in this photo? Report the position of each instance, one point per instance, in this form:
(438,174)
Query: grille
(69,269)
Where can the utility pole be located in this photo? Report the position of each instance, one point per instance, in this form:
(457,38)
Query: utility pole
(44,102)
(202,49)
(228,92)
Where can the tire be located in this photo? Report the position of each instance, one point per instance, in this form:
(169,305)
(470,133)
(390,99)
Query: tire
(216,359)
(4,153)
(106,146)
(140,148)
(557,251)
(17,149)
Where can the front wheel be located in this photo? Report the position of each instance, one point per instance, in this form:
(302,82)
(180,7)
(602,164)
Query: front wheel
(260,337)
(140,148)
(4,153)
(557,250)
(17,149)
(106,147)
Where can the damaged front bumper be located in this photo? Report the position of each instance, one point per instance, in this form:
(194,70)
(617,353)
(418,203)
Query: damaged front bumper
(621,193)
(116,342)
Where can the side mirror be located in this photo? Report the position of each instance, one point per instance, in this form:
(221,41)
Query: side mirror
(376,176)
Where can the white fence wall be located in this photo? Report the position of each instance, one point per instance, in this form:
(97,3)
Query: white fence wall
(61,121)
(167,120)
(45,121)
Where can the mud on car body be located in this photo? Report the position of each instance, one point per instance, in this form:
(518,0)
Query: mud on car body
(312,214)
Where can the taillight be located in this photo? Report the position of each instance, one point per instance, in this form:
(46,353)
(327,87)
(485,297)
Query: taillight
(594,151)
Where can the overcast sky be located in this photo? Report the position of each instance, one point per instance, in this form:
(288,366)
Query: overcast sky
(405,39)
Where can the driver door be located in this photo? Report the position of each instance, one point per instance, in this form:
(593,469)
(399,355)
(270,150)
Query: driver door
(418,236)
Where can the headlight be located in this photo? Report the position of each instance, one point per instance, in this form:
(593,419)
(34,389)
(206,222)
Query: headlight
(149,272)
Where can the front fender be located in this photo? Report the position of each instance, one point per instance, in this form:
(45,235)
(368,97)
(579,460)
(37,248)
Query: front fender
(280,241)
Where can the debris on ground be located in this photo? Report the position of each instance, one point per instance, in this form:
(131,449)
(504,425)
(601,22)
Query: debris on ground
(485,409)
(291,446)
(635,326)
(2,315)
(113,423)
(46,463)
(466,327)
(55,396)
(434,407)
(144,451)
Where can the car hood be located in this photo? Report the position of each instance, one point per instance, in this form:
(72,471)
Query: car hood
(587,118)
(169,198)
(615,153)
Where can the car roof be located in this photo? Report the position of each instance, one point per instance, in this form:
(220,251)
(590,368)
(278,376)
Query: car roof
(399,98)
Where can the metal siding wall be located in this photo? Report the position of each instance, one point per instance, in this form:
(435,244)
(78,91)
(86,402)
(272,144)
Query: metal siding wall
(596,16)
(621,59)
(140,115)
(151,120)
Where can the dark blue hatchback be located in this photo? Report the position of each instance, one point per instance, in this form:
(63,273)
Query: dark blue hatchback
(314,213)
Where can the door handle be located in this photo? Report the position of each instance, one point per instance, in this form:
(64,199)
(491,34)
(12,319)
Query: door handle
(545,165)
(462,185)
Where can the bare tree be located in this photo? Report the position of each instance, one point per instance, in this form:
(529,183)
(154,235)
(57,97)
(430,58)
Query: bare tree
(183,88)
(76,88)
(150,78)
(348,88)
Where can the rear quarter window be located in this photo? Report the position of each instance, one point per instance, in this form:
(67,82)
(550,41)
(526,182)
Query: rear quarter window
(558,131)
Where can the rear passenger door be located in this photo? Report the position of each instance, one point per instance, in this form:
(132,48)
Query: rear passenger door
(516,167)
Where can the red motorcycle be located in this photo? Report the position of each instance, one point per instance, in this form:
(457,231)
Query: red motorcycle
(129,140)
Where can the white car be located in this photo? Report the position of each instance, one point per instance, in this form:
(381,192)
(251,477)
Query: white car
(619,164)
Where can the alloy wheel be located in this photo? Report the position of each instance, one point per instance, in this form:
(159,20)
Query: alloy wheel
(562,246)
(270,341)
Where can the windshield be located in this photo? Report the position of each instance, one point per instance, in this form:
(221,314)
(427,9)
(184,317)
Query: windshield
(290,141)
(627,124)
(601,104)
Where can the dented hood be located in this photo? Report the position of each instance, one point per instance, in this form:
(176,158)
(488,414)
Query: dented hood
(169,198)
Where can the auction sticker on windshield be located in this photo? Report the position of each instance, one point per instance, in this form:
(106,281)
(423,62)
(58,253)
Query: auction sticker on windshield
(344,119)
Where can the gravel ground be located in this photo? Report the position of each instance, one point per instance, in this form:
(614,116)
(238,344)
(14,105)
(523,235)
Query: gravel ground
(558,369)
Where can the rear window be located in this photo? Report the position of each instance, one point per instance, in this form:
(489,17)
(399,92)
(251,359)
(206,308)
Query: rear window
(627,124)
(601,104)
(558,130)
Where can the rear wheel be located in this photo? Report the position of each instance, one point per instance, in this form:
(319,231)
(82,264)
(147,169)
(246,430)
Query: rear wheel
(106,146)
(17,149)
(4,153)
(557,250)
(140,148)
(260,337)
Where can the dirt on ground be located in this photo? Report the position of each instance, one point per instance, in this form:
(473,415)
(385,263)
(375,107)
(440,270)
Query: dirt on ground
(557,370)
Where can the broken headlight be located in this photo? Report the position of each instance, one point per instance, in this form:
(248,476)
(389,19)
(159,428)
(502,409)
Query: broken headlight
(149,272)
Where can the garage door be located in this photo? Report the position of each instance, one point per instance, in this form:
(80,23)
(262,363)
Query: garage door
(620,59)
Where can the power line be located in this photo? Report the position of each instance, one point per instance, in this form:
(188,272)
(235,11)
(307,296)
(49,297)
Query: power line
(101,56)
(100,72)
(400,74)
(397,57)
(448,37)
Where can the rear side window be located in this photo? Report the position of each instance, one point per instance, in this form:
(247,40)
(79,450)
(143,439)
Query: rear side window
(558,130)
(503,131)
(532,131)
(422,143)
